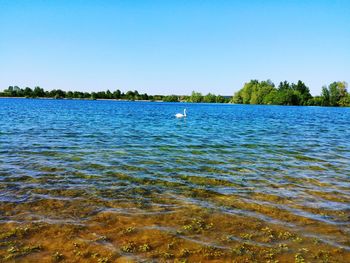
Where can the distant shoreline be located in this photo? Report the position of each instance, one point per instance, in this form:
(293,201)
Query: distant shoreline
(45,98)
(254,92)
(117,95)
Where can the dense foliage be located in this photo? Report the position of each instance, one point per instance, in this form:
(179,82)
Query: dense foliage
(265,92)
(253,92)
(37,92)
(209,98)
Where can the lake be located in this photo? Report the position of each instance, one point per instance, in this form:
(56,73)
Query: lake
(111,181)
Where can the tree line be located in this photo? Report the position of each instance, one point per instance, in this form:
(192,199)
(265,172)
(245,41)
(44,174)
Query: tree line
(253,92)
(37,92)
(265,92)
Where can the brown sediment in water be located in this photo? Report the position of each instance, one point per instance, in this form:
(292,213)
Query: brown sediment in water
(86,182)
(168,229)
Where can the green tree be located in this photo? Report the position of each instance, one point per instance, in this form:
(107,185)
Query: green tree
(254,92)
(315,101)
(303,92)
(171,98)
(284,86)
(220,99)
(325,96)
(337,91)
(144,96)
(209,98)
(38,92)
(195,97)
(237,97)
(28,92)
(70,95)
(130,95)
(117,94)
(334,93)
(345,101)
(109,94)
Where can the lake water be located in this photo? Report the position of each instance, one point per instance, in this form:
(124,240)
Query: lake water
(108,181)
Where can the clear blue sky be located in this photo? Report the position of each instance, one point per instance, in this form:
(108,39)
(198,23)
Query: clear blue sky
(172,47)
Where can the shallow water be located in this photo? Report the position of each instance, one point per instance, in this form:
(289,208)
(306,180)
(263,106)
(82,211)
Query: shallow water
(108,181)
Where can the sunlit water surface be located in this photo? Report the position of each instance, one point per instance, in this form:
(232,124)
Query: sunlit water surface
(108,181)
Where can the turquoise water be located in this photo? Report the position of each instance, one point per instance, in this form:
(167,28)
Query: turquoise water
(290,159)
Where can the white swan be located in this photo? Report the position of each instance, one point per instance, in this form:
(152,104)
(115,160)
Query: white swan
(180,115)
